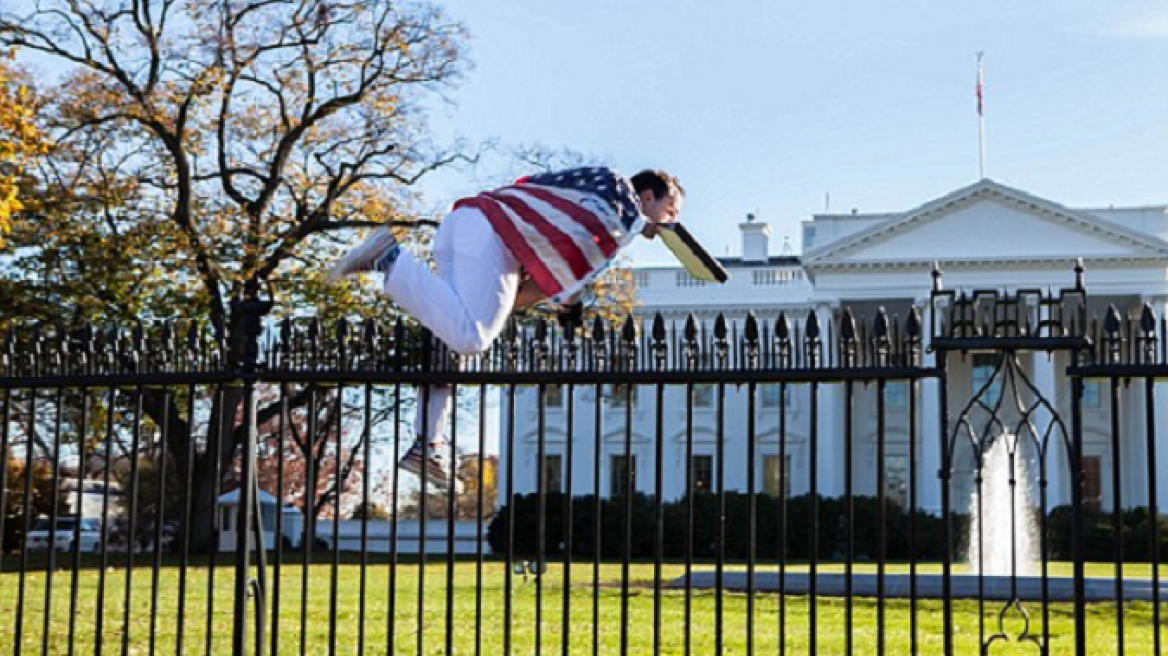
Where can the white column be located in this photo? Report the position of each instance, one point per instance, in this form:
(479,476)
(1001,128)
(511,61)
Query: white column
(1042,372)
(830,418)
(929,433)
(1160,398)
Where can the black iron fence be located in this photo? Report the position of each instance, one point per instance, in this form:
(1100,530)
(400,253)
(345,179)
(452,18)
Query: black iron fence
(974,474)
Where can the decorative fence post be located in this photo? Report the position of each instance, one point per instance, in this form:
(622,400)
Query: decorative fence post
(251,311)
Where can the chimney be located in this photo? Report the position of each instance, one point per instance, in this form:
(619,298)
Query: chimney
(755,238)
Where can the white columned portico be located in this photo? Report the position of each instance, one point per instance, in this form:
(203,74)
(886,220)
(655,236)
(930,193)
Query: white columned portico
(929,430)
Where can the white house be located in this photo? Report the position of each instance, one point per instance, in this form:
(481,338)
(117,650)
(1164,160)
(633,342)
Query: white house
(985,235)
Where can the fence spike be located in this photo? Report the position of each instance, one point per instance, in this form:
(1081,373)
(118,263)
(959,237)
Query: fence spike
(912,326)
(598,330)
(629,330)
(847,327)
(750,331)
(1112,323)
(1148,319)
(880,326)
(691,328)
(720,327)
(783,328)
(658,328)
(811,329)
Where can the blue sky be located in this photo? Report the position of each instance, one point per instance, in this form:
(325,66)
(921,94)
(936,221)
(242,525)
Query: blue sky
(769,106)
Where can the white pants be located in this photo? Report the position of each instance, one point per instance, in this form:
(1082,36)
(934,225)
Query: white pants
(466,304)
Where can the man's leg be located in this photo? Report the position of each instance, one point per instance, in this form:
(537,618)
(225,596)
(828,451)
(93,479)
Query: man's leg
(466,306)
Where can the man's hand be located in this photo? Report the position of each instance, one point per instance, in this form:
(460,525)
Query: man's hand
(529,294)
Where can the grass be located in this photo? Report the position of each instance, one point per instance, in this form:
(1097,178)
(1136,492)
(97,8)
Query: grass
(206,632)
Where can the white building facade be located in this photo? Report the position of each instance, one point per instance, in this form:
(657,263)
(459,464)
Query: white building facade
(984,236)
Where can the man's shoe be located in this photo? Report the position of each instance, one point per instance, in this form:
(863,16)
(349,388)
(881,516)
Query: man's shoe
(377,253)
(436,466)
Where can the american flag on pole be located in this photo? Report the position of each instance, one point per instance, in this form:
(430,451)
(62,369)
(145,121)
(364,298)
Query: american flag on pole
(563,227)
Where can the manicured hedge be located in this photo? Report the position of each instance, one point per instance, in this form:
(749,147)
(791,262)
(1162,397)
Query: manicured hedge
(928,535)
(832,528)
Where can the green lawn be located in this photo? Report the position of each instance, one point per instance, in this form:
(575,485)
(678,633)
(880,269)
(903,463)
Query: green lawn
(830,613)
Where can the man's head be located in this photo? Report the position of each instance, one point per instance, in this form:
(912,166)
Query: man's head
(661,196)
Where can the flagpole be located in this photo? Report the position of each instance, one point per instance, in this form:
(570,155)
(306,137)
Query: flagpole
(980,119)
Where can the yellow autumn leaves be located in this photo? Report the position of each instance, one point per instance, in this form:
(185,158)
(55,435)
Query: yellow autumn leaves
(19,142)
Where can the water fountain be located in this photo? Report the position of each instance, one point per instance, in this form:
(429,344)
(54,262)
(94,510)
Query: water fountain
(1003,534)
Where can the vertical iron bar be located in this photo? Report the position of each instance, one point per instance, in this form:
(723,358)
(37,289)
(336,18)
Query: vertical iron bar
(423,507)
(850,517)
(882,509)
(308,451)
(99,619)
(628,518)
(479,523)
(541,508)
(4,455)
(366,504)
(570,447)
(508,583)
(689,516)
(132,532)
(783,483)
(658,513)
(27,517)
(451,510)
(943,476)
(813,439)
(159,517)
(391,616)
(752,537)
(1117,514)
(720,560)
(1153,507)
(81,458)
(913,389)
(596,521)
(1077,529)
(187,502)
(338,488)
(55,461)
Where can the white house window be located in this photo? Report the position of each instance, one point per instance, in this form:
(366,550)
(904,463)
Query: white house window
(619,465)
(770,392)
(1092,394)
(553,396)
(896,395)
(553,473)
(776,481)
(896,480)
(619,395)
(703,395)
(1092,483)
(703,473)
(984,365)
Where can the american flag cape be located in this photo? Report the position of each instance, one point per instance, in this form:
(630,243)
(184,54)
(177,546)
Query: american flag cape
(563,227)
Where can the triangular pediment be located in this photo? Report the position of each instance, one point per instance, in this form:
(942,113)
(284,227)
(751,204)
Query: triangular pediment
(988,222)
